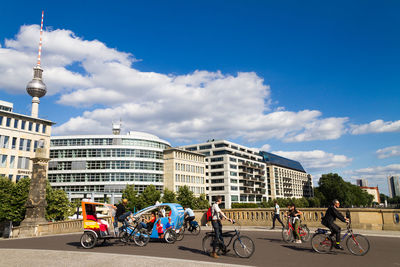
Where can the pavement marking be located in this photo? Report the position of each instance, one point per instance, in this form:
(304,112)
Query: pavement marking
(38,257)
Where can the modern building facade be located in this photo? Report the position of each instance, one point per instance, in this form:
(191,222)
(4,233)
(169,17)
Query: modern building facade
(362,182)
(394,186)
(20,135)
(182,168)
(233,171)
(99,165)
(286,178)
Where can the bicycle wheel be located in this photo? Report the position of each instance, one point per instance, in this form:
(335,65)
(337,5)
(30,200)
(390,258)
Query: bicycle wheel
(243,246)
(321,243)
(141,238)
(88,240)
(123,237)
(208,243)
(179,234)
(358,244)
(287,234)
(304,233)
(170,236)
(196,230)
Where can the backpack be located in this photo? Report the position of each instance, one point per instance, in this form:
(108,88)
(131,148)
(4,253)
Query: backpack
(209,214)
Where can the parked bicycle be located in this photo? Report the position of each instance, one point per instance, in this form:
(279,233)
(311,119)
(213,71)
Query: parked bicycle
(323,242)
(242,245)
(288,231)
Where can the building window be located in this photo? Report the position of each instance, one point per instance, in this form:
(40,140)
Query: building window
(37,127)
(15,123)
(3,162)
(234,198)
(14,143)
(30,125)
(217,188)
(43,128)
(1,120)
(8,122)
(205,147)
(4,141)
(233,173)
(23,163)
(23,124)
(234,188)
(12,162)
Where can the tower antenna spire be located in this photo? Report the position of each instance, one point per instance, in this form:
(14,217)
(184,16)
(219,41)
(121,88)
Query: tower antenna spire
(40,42)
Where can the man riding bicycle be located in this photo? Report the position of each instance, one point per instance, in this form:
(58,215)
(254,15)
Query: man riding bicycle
(217,215)
(328,220)
(189,216)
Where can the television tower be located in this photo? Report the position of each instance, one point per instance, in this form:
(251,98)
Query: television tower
(36,88)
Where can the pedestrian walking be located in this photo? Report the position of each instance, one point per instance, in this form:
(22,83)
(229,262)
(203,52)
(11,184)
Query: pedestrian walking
(276,215)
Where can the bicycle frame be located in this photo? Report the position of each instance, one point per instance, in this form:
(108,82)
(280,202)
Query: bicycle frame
(291,228)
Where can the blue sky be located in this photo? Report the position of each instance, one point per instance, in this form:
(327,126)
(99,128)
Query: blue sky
(316,82)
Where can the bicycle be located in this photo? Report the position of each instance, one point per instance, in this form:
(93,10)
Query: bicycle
(194,228)
(242,245)
(357,244)
(138,235)
(288,235)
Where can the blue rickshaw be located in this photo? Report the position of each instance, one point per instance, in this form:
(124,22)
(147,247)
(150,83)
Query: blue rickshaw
(163,212)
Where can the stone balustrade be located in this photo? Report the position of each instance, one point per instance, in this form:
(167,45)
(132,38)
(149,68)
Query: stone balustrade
(367,219)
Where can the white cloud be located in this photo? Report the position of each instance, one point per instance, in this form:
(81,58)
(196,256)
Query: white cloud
(392,151)
(316,160)
(377,172)
(265,147)
(194,106)
(377,126)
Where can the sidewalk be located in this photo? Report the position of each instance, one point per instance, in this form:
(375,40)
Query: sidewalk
(35,258)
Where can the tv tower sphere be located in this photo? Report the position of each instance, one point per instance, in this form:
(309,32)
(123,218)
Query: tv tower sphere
(36,87)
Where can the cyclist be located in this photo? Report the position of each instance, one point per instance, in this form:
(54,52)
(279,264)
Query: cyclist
(328,220)
(217,215)
(294,215)
(189,216)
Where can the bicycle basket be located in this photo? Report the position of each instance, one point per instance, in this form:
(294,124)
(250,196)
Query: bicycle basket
(321,231)
(194,223)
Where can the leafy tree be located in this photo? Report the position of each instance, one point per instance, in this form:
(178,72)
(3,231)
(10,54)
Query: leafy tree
(201,202)
(6,193)
(314,202)
(132,196)
(58,206)
(149,197)
(18,200)
(185,197)
(169,196)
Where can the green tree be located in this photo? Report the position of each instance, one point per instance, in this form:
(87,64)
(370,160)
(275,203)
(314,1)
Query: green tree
(149,197)
(201,202)
(132,196)
(185,197)
(18,200)
(169,196)
(6,194)
(58,206)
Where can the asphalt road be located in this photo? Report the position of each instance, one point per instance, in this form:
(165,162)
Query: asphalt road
(270,250)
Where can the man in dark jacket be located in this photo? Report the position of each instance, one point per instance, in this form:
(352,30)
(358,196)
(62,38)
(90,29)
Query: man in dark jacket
(328,220)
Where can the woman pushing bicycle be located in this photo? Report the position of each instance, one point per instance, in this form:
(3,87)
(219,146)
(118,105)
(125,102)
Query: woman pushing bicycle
(294,215)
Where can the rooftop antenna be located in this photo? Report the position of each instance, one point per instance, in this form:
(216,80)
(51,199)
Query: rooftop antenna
(36,88)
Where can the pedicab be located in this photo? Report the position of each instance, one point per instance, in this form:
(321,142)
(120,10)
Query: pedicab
(96,228)
(163,211)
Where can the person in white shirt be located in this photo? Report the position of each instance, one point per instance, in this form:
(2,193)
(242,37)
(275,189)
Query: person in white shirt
(276,215)
(189,215)
(217,215)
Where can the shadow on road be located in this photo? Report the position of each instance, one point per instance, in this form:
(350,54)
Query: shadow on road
(299,248)
(193,250)
(277,240)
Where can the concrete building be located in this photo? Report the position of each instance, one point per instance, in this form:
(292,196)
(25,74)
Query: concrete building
(286,178)
(182,168)
(99,165)
(362,182)
(20,135)
(394,186)
(233,171)
(374,191)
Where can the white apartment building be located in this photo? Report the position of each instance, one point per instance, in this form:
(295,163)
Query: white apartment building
(99,166)
(20,135)
(233,171)
(182,168)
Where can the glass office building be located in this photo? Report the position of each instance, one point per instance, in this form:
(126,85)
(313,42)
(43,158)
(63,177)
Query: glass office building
(98,166)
